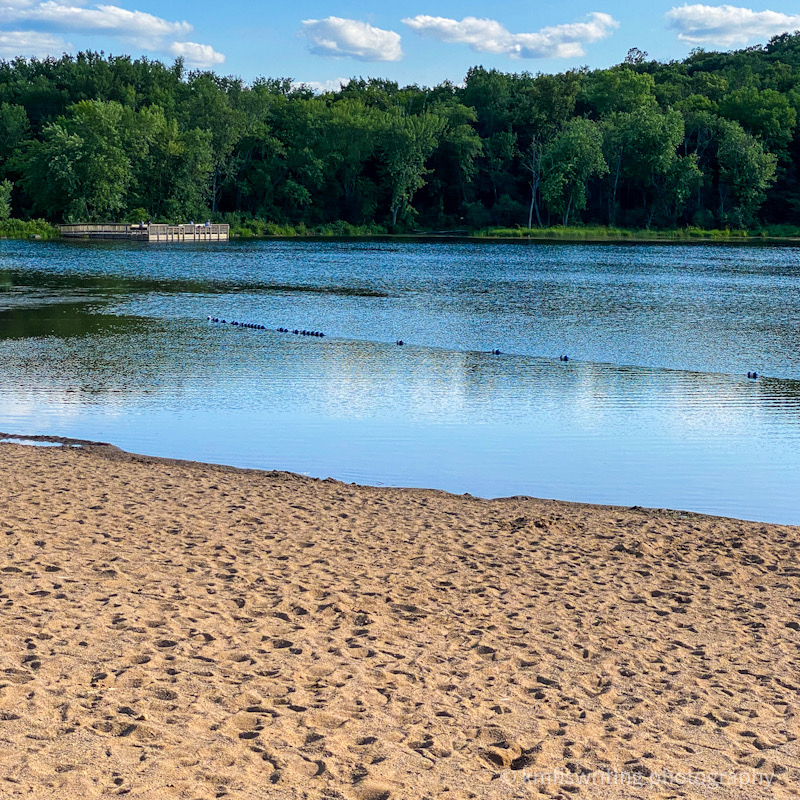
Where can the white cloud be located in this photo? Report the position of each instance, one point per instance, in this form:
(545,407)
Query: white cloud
(197,55)
(489,36)
(728,25)
(337,37)
(99,18)
(136,28)
(319,87)
(30,43)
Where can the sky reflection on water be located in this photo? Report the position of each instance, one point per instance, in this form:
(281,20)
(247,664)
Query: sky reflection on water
(654,408)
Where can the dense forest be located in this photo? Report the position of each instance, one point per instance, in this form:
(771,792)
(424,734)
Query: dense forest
(711,141)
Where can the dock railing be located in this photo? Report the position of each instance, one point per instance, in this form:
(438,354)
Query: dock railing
(154,232)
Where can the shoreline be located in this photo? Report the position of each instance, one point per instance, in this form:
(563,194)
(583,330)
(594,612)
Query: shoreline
(467,238)
(526,239)
(173,629)
(114,452)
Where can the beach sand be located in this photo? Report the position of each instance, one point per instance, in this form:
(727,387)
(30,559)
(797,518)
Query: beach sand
(179,630)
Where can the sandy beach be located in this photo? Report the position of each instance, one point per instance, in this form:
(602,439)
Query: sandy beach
(180,630)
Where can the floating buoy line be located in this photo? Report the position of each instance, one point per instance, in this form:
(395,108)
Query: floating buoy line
(320,334)
(258,327)
(297,332)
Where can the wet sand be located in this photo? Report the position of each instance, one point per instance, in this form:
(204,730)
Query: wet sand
(180,630)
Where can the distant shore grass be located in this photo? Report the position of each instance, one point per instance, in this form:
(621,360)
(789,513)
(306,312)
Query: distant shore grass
(28,229)
(259,229)
(599,233)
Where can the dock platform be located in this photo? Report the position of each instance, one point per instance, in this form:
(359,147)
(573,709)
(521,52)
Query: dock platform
(147,233)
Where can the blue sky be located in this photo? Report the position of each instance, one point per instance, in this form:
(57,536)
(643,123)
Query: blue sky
(428,41)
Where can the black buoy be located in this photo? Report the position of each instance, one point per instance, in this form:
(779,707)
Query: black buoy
(296,332)
(321,333)
(563,358)
(495,352)
(752,375)
(399,342)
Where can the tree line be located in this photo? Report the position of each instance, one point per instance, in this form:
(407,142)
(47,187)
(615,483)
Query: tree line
(710,141)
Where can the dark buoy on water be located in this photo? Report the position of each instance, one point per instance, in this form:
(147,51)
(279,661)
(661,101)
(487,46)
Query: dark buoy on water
(563,358)
(399,342)
(752,375)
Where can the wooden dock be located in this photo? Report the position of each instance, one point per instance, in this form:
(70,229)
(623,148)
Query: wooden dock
(147,233)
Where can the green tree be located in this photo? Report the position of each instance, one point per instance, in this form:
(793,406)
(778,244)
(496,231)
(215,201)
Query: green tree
(5,199)
(14,131)
(617,89)
(79,170)
(352,138)
(171,169)
(459,144)
(738,169)
(746,171)
(407,143)
(576,155)
(641,150)
(543,105)
(767,114)
(209,106)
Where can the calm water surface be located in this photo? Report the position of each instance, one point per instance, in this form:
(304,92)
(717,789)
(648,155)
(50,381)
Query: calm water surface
(110,341)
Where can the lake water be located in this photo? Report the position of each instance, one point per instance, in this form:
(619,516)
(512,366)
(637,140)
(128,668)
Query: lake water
(109,341)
